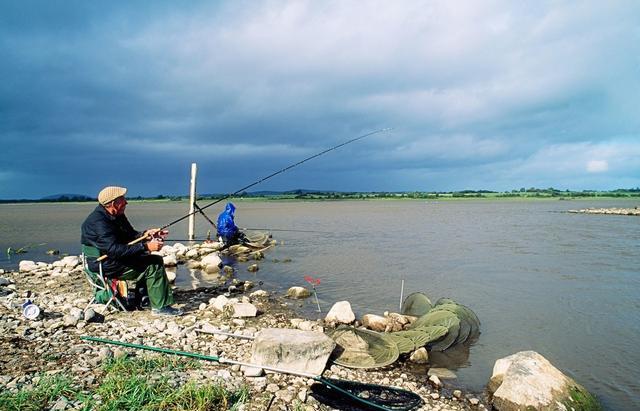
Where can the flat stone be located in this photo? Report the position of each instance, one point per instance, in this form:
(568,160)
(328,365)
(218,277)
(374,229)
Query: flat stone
(442,373)
(252,371)
(295,350)
(241,310)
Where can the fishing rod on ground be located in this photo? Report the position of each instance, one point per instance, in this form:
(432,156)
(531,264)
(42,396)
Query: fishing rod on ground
(137,240)
(371,396)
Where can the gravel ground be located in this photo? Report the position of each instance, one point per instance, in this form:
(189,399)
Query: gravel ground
(51,344)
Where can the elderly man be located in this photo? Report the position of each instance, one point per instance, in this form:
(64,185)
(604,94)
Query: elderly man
(108,230)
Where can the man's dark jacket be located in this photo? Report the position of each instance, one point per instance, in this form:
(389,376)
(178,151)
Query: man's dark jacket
(110,234)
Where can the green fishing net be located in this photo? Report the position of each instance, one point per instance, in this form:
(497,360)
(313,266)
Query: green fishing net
(362,348)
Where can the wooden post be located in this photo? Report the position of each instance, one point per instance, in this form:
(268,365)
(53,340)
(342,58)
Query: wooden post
(192,201)
(401,294)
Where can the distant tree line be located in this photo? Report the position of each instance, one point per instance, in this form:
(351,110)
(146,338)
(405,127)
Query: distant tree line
(337,195)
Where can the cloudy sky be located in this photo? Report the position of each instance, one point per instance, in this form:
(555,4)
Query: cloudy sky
(489,95)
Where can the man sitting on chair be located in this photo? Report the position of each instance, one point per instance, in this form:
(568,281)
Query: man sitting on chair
(109,230)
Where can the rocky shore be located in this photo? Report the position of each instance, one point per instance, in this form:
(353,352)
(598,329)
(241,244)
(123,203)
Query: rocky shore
(51,343)
(617,211)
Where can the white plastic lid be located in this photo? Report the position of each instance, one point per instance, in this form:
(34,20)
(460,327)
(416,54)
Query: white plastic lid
(31,311)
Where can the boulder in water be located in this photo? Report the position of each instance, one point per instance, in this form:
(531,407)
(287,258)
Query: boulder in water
(527,380)
(298,292)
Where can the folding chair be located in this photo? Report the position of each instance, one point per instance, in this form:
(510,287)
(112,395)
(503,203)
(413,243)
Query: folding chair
(98,282)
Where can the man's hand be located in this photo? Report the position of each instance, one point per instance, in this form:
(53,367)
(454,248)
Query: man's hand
(156,233)
(154,245)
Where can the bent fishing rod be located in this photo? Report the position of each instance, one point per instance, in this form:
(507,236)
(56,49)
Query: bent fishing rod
(199,209)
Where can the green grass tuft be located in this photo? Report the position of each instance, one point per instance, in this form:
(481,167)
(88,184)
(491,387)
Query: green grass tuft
(138,383)
(582,400)
(42,395)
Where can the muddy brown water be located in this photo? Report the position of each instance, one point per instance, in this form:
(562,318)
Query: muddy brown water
(565,285)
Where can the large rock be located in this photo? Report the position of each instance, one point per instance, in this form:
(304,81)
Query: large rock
(340,313)
(240,310)
(170,260)
(374,322)
(298,292)
(293,350)
(27,266)
(211,259)
(219,302)
(71,261)
(527,380)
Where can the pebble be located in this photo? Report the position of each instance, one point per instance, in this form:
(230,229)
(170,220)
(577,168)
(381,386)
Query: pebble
(435,381)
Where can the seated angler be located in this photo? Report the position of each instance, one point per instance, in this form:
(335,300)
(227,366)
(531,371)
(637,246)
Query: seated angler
(109,230)
(228,233)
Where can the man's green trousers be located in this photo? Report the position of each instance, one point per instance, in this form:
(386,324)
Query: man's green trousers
(150,269)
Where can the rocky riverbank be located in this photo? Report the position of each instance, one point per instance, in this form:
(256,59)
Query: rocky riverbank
(617,211)
(51,343)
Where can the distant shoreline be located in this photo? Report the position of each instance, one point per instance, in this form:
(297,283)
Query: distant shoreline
(315,197)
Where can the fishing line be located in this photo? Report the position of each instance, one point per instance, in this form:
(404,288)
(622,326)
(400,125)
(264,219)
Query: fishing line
(204,215)
(278,172)
(281,229)
(262,180)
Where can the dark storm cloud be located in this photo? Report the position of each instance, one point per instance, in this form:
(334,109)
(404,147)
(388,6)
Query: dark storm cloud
(481,95)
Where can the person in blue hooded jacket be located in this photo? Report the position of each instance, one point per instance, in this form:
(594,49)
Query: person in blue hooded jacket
(228,232)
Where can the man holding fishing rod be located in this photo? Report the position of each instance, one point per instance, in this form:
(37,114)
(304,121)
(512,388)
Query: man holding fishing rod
(109,230)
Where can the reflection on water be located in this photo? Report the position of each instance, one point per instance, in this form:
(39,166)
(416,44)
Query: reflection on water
(565,285)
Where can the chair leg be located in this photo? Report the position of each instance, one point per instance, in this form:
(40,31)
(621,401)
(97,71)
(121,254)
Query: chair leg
(93,300)
(120,303)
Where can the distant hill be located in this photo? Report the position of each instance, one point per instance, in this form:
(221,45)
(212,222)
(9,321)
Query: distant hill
(67,197)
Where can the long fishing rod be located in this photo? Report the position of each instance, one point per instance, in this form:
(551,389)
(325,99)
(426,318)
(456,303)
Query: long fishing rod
(371,396)
(266,178)
(198,209)
(278,172)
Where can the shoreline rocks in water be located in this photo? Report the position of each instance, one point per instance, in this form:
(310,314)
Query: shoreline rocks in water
(527,380)
(51,343)
(618,211)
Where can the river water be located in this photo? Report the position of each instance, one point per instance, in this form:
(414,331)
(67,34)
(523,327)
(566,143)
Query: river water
(564,285)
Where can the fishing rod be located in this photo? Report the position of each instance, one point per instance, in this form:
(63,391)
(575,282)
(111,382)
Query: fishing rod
(199,209)
(266,178)
(371,396)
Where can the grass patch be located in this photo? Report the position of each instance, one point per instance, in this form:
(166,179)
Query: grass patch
(139,383)
(582,400)
(43,395)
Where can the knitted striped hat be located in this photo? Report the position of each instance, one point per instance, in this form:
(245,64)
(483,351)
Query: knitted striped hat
(108,194)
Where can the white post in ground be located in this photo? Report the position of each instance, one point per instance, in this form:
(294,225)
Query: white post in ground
(192,201)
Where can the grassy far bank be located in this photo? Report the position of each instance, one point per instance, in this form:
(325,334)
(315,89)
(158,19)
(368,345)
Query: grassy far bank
(127,384)
(522,193)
